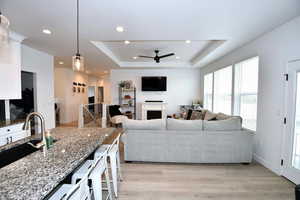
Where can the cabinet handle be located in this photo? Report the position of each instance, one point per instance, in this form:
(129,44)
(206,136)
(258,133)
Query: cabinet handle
(10,138)
(7,140)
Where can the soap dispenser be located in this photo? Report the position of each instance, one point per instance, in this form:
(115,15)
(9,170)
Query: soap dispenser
(49,139)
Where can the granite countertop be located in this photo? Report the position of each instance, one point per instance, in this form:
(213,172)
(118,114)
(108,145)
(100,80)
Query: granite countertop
(35,176)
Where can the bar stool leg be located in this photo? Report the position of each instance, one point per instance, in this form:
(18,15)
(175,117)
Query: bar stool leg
(108,183)
(113,164)
(97,187)
(119,166)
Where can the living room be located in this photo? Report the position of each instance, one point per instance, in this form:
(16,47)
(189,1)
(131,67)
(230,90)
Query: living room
(163,100)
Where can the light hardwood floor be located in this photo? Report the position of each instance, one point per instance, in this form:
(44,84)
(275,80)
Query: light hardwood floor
(151,181)
(162,181)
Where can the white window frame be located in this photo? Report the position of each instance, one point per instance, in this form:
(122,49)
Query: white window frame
(233,100)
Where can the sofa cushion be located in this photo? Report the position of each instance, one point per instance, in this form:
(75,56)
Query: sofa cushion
(196,115)
(177,124)
(231,124)
(222,116)
(154,124)
(210,115)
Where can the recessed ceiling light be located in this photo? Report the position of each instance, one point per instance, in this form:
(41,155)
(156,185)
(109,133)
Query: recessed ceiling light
(134,57)
(177,57)
(47,31)
(127,42)
(120,29)
(61,62)
(188,41)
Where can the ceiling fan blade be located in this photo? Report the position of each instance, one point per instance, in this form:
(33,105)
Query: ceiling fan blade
(167,55)
(146,57)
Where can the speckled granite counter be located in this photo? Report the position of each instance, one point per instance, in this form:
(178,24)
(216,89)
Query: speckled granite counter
(34,176)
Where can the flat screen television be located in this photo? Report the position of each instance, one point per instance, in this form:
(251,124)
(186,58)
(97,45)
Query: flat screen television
(154,83)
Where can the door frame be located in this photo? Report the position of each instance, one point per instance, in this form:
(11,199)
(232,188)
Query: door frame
(288,130)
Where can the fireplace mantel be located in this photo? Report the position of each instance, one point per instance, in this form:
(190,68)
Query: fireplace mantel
(154,106)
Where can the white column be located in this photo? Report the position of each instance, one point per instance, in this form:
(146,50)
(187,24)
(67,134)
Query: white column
(80,117)
(103,121)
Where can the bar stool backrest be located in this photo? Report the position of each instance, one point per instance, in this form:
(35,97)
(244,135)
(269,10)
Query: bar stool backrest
(80,191)
(99,163)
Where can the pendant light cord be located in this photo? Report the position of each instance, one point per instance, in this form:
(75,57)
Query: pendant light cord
(77,26)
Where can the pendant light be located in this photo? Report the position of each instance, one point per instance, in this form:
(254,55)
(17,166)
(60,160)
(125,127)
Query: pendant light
(78,60)
(4,29)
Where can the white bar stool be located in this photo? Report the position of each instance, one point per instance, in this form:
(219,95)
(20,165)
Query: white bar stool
(100,168)
(114,158)
(78,191)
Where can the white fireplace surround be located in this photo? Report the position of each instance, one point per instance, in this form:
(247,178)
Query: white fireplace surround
(154,106)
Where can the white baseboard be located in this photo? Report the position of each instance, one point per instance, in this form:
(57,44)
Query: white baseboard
(266,164)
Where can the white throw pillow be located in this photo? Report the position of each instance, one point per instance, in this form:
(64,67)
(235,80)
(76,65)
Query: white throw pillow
(209,115)
(231,124)
(154,124)
(222,116)
(178,124)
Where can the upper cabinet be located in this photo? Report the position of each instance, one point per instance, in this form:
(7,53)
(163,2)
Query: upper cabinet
(10,68)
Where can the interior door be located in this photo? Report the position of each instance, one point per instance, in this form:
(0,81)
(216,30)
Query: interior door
(91,98)
(291,165)
(100,94)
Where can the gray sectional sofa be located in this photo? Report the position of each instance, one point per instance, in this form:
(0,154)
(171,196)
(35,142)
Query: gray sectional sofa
(188,141)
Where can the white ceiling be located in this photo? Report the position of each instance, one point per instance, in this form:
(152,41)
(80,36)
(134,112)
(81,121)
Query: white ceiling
(236,21)
(186,54)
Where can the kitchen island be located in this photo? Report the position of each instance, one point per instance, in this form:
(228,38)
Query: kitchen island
(35,176)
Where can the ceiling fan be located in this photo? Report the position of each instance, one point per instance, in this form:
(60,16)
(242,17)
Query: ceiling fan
(157,57)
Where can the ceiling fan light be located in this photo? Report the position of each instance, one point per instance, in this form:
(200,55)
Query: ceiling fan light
(78,63)
(4,29)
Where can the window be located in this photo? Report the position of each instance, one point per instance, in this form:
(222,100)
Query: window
(18,109)
(218,89)
(245,91)
(2,111)
(222,90)
(208,83)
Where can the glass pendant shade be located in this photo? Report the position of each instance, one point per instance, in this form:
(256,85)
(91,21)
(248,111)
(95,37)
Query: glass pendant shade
(4,29)
(78,63)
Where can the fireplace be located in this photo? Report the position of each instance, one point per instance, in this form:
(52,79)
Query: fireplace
(154,114)
(154,110)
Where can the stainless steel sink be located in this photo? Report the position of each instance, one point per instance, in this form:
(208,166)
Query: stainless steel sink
(11,155)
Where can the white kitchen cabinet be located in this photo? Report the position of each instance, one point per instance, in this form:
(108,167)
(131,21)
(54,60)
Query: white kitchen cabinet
(10,81)
(12,133)
(19,135)
(4,140)
(10,68)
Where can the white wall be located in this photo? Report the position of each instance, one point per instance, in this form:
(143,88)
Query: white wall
(274,49)
(183,86)
(68,100)
(41,64)
(105,82)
